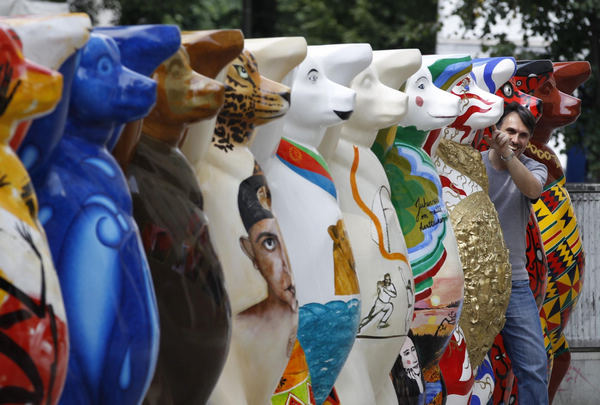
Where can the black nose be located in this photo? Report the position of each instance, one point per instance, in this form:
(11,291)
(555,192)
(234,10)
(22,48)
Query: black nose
(344,114)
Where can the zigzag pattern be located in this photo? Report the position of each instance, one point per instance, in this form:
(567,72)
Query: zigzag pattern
(563,251)
(555,265)
(552,197)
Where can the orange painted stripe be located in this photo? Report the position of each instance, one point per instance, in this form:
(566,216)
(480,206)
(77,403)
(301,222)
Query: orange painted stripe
(366,210)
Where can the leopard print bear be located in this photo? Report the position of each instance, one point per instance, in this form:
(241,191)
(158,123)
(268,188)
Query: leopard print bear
(250,100)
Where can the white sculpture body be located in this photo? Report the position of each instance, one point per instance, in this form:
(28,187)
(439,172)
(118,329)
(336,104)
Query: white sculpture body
(249,244)
(384,273)
(276,57)
(305,202)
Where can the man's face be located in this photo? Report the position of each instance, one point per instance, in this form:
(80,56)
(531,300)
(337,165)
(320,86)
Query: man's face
(387,280)
(270,256)
(517,131)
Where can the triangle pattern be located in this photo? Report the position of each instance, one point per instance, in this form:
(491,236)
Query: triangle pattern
(565,299)
(564,285)
(293,400)
(552,310)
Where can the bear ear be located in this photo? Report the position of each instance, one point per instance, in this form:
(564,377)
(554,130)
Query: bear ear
(210,51)
(333,232)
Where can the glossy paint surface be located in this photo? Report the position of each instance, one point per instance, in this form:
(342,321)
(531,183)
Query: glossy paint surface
(167,206)
(86,210)
(143,48)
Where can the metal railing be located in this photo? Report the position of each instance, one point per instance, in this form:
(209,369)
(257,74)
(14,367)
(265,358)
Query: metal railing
(583,329)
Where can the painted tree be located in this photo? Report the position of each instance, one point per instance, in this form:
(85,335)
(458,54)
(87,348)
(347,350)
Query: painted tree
(572,28)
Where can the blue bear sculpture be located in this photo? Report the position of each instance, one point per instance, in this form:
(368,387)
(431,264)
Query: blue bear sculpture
(143,48)
(86,210)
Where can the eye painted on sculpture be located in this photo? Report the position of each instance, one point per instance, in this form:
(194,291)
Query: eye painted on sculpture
(313,75)
(104,65)
(507,90)
(269,242)
(242,71)
(421,83)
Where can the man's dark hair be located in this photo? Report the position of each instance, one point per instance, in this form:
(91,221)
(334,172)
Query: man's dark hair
(250,206)
(524,114)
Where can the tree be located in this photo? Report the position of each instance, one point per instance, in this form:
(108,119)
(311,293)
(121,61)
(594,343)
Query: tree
(385,24)
(572,28)
(190,15)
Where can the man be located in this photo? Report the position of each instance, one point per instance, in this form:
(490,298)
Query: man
(515,180)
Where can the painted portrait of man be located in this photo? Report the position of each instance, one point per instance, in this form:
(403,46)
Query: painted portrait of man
(264,246)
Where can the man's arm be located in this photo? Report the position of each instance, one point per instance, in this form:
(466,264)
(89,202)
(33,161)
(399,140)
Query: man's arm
(391,290)
(525,181)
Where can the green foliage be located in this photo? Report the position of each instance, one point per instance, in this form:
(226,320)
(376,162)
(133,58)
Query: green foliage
(192,15)
(573,29)
(385,24)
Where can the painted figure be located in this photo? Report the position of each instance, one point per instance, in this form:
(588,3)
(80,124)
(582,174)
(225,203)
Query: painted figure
(386,291)
(34,334)
(305,201)
(562,243)
(473,216)
(407,376)
(85,207)
(416,193)
(167,205)
(246,236)
(277,57)
(378,245)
